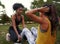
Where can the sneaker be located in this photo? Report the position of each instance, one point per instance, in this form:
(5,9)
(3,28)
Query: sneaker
(7,37)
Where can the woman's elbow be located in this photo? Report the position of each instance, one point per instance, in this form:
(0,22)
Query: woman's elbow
(27,13)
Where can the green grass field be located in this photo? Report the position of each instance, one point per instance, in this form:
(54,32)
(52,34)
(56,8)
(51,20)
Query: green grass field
(4,30)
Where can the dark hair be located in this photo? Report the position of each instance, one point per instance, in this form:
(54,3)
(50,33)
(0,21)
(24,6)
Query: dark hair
(17,5)
(52,17)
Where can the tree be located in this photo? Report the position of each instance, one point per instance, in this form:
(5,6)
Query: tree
(25,17)
(5,19)
(2,10)
(57,3)
(39,3)
(36,4)
(2,5)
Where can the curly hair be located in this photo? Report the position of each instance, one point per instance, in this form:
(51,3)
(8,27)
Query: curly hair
(17,5)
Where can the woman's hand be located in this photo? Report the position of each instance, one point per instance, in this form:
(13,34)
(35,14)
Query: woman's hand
(43,9)
(19,38)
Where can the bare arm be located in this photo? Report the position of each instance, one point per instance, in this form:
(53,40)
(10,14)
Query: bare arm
(23,23)
(14,25)
(33,16)
(37,19)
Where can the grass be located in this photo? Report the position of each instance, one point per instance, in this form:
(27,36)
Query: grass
(4,30)
(58,37)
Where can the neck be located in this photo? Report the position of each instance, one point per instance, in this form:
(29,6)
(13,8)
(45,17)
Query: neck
(18,14)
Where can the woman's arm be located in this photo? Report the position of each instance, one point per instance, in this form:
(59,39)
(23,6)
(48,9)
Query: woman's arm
(23,22)
(41,9)
(37,19)
(14,25)
(33,16)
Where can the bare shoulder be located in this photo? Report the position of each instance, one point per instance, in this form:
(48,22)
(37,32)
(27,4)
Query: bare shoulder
(13,16)
(22,16)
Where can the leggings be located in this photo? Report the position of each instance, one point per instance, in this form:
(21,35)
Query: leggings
(30,35)
(13,35)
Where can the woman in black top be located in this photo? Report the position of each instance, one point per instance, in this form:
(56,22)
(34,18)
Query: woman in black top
(16,35)
(17,18)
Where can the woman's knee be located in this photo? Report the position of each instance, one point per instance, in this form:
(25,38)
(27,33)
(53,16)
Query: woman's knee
(25,29)
(33,29)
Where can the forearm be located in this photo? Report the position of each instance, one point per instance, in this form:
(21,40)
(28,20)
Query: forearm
(32,16)
(23,22)
(23,25)
(32,11)
(14,25)
(41,9)
(15,30)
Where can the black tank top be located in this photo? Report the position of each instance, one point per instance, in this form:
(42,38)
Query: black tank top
(17,22)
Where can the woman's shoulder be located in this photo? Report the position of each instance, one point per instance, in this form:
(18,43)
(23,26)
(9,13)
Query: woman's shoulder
(13,16)
(47,20)
(22,16)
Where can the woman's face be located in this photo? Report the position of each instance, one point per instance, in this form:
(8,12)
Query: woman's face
(19,10)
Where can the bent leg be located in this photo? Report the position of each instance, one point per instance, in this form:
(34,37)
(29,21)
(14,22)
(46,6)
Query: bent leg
(29,35)
(34,32)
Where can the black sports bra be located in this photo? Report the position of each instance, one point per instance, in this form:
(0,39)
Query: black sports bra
(17,21)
